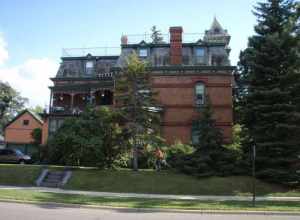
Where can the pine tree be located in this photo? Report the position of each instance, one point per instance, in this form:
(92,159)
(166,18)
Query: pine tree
(136,100)
(210,156)
(210,136)
(269,72)
(156,35)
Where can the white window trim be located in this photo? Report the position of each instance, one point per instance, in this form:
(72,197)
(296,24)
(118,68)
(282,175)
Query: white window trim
(203,94)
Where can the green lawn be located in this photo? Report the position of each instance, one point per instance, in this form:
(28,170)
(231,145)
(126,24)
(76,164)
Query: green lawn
(32,196)
(144,181)
(167,182)
(18,175)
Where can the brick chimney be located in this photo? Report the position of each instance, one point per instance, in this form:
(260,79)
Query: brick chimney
(176,45)
(124,40)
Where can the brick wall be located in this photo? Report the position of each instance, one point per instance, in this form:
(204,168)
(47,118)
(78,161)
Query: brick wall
(16,132)
(176,94)
(176,45)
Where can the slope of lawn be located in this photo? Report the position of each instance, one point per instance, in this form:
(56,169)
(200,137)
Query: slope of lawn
(167,182)
(19,175)
(43,197)
(144,181)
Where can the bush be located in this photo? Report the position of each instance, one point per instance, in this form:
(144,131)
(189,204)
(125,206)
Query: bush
(93,139)
(177,153)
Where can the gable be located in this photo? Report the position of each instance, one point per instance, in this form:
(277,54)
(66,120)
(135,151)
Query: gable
(18,121)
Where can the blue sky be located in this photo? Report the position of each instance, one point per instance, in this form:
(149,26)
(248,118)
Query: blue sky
(33,32)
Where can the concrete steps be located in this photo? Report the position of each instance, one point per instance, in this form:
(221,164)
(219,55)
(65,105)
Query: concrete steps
(54,179)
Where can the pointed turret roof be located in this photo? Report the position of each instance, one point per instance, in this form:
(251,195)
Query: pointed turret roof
(217,33)
(216,25)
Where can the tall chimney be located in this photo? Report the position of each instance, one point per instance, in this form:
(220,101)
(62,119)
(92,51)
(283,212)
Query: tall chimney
(124,39)
(176,45)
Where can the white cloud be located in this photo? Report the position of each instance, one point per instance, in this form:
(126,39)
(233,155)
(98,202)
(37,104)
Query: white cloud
(31,78)
(3,50)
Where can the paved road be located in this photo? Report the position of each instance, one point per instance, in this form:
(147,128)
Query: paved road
(15,211)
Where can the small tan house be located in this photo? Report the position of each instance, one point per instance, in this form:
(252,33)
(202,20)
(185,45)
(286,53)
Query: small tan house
(17,133)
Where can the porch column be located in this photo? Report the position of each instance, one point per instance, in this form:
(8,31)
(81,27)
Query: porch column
(50,103)
(72,101)
(91,97)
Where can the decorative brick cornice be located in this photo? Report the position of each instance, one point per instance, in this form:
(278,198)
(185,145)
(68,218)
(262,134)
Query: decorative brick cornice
(189,123)
(189,106)
(191,85)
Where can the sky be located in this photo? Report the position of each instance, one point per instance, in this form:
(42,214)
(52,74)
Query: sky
(34,32)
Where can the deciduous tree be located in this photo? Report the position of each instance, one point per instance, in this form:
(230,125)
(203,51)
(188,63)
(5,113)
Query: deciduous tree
(11,103)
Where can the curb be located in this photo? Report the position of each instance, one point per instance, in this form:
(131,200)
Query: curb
(199,211)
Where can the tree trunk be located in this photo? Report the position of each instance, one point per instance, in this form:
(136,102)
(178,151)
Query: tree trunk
(135,148)
(135,155)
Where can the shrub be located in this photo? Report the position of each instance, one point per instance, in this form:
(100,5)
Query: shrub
(95,138)
(177,153)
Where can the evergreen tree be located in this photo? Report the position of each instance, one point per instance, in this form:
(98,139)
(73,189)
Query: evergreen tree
(156,35)
(210,136)
(269,75)
(210,156)
(136,101)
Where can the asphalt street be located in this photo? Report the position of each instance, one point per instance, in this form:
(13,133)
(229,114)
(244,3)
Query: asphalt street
(16,211)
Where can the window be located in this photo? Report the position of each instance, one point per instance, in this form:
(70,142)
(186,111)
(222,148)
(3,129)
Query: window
(25,122)
(199,55)
(217,31)
(55,124)
(52,125)
(8,152)
(199,94)
(199,52)
(195,133)
(143,52)
(89,65)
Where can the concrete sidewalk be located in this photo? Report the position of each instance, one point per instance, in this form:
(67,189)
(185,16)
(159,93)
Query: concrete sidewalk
(153,196)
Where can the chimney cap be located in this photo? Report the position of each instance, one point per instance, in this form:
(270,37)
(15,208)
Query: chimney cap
(176,29)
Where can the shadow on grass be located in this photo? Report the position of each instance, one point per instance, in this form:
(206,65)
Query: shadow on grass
(138,205)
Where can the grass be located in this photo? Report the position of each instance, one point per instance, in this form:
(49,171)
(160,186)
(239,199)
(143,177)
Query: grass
(167,182)
(33,196)
(144,181)
(18,175)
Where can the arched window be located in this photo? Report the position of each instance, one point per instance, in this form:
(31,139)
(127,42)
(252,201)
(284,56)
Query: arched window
(199,94)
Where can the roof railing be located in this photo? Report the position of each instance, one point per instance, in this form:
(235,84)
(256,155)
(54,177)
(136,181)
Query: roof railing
(94,51)
(130,39)
(186,37)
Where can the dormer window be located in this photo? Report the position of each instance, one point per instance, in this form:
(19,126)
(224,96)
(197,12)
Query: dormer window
(199,52)
(89,65)
(199,55)
(143,52)
(217,30)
